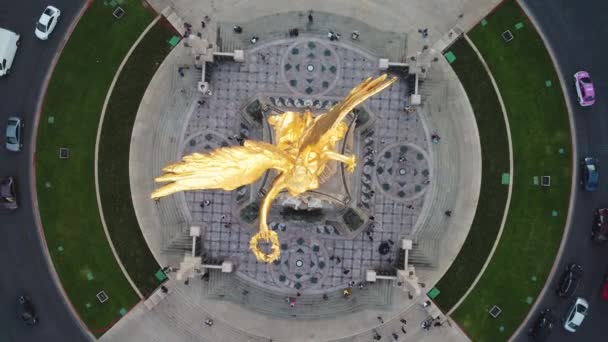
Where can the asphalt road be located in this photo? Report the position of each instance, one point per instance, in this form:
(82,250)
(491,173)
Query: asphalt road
(578,34)
(25,267)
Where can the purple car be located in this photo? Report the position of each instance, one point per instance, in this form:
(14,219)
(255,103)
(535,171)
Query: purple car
(584,88)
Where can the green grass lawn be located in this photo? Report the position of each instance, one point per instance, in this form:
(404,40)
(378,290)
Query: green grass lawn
(66,188)
(495,161)
(539,128)
(114,157)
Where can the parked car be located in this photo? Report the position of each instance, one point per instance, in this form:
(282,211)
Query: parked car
(47,22)
(27,311)
(576,315)
(8,194)
(599,230)
(570,280)
(542,326)
(590,176)
(584,88)
(605,288)
(13,134)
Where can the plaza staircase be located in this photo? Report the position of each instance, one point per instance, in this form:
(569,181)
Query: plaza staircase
(396,51)
(228,41)
(272,302)
(171,209)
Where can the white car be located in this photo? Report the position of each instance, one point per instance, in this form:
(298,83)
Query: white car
(47,22)
(576,315)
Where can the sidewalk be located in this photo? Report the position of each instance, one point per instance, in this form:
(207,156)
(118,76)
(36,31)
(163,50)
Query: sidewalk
(180,318)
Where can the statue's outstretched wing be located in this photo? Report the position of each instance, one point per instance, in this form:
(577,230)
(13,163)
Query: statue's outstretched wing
(224,168)
(337,113)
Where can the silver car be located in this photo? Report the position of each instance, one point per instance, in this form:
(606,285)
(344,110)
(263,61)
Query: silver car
(576,315)
(13,134)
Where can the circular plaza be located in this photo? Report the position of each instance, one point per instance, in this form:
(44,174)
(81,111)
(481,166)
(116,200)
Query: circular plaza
(365,246)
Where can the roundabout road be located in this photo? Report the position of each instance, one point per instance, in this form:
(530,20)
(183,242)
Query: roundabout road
(577,32)
(26,269)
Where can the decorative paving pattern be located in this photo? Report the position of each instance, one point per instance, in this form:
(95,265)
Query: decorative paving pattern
(303,263)
(402,171)
(310,67)
(219,120)
(205,141)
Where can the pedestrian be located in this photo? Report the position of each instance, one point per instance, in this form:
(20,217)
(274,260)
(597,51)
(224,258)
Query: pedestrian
(403,329)
(254,39)
(391,242)
(395,336)
(332,258)
(380,319)
(207,202)
(403,321)
(164,289)
(325,297)
(377,337)
(448,213)
(202,24)
(360,286)
(371,238)
(346,271)
(310,18)
(409,206)
(237,29)
(287,299)
(435,138)
(338,260)
(298,294)
(209,321)
(371,218)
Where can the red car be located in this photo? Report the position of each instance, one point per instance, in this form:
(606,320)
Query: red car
(605,288)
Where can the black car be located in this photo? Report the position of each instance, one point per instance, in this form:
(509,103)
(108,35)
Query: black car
(27,312)
(542,326)
(599,231)
(569,280)
(8,196)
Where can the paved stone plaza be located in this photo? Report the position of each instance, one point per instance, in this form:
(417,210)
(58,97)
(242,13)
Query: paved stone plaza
(394,165)
(402,184)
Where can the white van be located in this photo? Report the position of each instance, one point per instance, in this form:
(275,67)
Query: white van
(8,48)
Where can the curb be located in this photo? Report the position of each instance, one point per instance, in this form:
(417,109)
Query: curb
(511,175)
(33,185)
(99,127)
(568,100)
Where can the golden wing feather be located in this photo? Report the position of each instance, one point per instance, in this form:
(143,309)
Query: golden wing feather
(224,168)
(326,122)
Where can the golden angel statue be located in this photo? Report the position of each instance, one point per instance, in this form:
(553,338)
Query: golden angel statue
(303,147)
